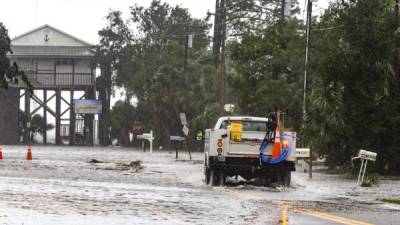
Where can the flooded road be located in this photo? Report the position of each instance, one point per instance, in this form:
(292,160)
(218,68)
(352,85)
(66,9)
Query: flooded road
(80,185)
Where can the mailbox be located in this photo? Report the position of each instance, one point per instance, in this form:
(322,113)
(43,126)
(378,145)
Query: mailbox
(149,137)
(302,153)
(364,154)
(176,138)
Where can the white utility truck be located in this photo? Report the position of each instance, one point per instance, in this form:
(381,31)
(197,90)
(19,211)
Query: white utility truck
(250,147)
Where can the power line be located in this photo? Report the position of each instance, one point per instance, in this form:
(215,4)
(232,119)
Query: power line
(328,28)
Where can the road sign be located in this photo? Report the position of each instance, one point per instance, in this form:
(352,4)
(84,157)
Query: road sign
(137,128)
(87,106)
(185,130)
(183,118)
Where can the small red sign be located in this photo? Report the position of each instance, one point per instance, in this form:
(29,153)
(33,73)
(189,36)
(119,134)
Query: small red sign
(137,128)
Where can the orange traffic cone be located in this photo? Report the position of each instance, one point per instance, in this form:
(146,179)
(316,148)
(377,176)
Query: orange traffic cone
(29,153)
(277,144)
(276,151)
(1,153)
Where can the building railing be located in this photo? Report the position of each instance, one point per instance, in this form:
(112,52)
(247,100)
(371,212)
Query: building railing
(60,80)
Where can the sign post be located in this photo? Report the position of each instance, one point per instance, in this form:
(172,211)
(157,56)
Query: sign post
(176,139)
(183,118)
(185,131)
(305,154)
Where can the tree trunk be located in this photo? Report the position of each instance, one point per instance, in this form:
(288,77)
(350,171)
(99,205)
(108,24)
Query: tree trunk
(105,94)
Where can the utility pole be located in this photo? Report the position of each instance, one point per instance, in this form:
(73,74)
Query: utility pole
(306,57)
(186,49)
(219,50)
(217,33)
(222,70)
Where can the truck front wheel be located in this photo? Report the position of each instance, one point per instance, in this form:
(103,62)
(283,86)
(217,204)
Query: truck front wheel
(286,178)
(206,175)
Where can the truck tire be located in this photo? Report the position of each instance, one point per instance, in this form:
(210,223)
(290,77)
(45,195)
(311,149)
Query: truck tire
(213,178)
(206,175)
(264,181)
(222,178)
(286,178)
(206,170)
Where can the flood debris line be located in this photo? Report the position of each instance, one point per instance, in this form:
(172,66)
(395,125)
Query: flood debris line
(134,166)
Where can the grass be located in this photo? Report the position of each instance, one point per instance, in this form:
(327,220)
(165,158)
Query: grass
(392,200)
(370,180)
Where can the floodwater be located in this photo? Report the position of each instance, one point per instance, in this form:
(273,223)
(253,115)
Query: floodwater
(65,185)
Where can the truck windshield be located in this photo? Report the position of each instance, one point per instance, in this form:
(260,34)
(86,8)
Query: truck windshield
(258,126)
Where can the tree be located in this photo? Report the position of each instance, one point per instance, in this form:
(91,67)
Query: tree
(268,71)
(4,61)
(37,122)
(354,99)
(9,72)
(122,117)
(114,40)
(253,16)
(149,64)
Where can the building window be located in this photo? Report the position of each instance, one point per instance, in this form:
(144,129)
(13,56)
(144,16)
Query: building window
(64,62)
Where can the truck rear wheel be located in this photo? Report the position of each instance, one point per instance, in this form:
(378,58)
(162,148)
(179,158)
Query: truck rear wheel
(222,178)
(213,178)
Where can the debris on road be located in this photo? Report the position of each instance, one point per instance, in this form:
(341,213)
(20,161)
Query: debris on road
(95,161)
(133,166)
(136,165)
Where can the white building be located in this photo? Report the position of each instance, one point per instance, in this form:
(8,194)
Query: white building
(56,64)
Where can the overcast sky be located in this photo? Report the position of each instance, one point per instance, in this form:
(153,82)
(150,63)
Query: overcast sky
(83,18)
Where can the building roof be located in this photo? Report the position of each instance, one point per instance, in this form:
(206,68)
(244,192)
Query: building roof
(47,41)
(54,36)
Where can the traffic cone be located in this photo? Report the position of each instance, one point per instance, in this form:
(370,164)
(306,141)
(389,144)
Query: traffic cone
(1,153)
(276,151)
(29,153)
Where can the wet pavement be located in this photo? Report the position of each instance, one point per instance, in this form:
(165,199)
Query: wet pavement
(62,186)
